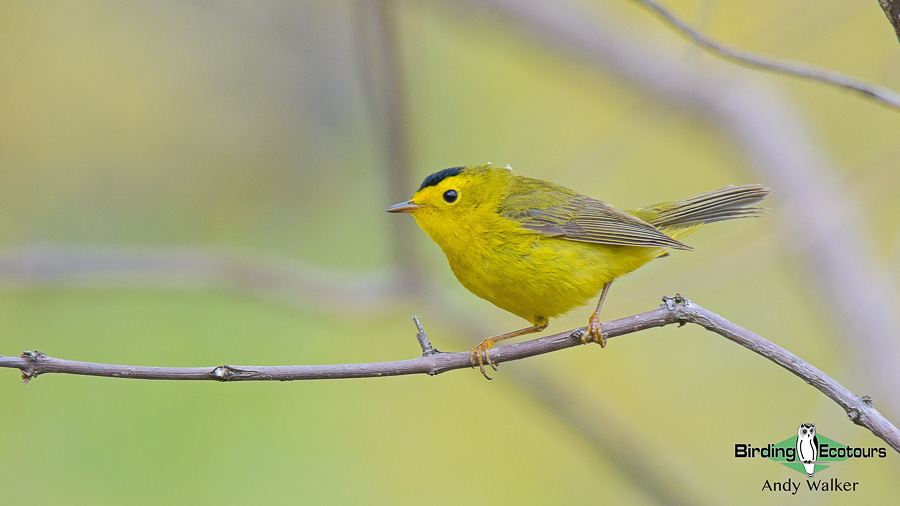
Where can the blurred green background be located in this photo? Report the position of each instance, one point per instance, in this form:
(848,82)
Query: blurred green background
(200,183)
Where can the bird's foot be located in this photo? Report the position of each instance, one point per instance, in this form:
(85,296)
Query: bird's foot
(482,353)
(594,332)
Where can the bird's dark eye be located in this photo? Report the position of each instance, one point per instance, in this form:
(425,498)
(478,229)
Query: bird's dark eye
(450,196)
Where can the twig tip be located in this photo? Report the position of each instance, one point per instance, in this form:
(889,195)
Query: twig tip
(424,342)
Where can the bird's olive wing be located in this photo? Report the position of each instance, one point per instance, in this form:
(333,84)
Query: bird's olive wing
(584,219)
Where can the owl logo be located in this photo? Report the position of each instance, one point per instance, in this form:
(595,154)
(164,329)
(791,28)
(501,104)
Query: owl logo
(807,447)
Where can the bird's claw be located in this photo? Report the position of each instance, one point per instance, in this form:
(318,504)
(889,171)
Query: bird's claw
(594,332)
(482,353)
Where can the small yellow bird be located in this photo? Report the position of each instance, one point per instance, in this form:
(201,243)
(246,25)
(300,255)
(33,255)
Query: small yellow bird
(537,249)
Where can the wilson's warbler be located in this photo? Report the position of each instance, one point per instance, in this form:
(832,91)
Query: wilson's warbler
(537,249)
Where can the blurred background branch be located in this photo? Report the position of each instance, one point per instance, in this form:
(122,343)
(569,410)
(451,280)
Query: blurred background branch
(285,281)
(381,70)
(829,77)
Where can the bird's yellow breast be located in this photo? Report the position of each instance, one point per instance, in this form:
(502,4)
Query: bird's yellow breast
(528,274)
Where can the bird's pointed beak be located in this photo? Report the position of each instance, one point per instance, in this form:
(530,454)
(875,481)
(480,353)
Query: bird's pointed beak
(404,207)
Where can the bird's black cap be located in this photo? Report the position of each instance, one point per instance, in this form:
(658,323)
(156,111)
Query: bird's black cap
(441,175)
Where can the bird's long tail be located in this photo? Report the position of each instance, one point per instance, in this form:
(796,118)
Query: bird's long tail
(719,205)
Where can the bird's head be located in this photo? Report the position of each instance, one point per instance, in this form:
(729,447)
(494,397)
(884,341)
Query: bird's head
(456,197)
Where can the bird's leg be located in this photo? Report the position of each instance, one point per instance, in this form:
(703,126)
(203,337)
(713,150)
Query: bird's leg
(482,352)
(593,328)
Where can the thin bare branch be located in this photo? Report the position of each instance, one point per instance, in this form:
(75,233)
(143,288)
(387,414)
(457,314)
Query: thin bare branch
(892,11)
(674,310)
(809,72)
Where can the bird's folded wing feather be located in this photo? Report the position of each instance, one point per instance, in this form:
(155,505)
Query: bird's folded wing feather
(584,219)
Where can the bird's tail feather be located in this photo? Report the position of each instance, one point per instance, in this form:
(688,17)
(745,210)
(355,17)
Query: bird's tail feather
(719,205)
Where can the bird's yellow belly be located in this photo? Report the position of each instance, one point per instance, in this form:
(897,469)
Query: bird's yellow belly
(537,277)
